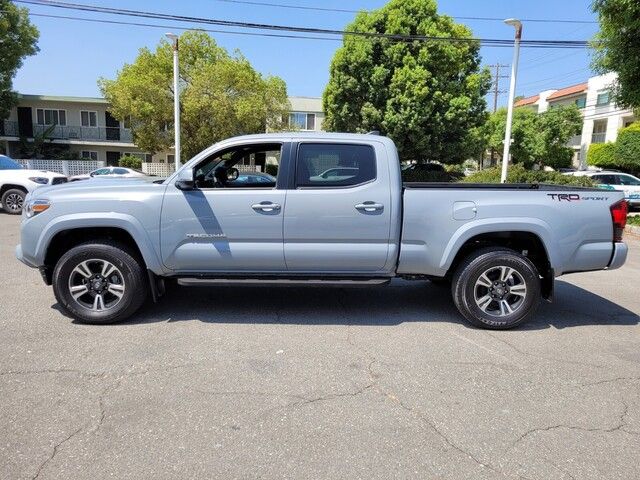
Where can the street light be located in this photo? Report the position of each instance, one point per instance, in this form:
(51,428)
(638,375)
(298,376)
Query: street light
(512,93)
(176,99)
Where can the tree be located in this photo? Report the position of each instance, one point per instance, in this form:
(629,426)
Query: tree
(18,39)
(617,47)
(426,95)
(602,155)
(628,148)
(221,95)
(537,138)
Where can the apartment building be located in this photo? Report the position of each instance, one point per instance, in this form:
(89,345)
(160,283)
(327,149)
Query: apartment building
(602,117)
(86,126)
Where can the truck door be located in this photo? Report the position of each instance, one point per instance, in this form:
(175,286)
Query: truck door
(337,217)
(227,224)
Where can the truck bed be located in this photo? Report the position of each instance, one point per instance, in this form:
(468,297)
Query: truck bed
(545,187)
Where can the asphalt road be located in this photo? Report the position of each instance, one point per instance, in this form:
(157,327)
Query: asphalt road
(320,383)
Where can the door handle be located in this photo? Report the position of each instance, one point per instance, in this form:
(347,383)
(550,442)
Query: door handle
(266,207)
(369,207)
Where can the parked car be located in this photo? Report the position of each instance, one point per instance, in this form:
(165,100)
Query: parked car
(16,182)
(336,174)
(499,245)
(250,179)
(112,172)
(616,180)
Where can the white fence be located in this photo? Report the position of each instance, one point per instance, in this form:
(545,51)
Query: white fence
(167,169)
(66,167)
(158,169)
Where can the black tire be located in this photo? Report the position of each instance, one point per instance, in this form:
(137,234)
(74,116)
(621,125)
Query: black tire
(13,201)
(130,276)
(467,286)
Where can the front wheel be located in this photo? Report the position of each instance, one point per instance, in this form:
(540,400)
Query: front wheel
(100,283)
(496,288)
(13,201)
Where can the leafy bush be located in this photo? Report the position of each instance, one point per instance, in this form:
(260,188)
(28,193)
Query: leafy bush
(628,147)
(633,220)
(129,161)
(430,176)
(518,174)
(602,155)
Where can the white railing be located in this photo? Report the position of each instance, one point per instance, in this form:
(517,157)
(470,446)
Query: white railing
(158,169)
(598,137)
(66,167)
(575,141)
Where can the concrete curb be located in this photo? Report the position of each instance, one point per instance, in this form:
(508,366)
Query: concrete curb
(632,229)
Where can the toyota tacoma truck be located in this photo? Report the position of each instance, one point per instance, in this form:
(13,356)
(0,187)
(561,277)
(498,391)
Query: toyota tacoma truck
(336,213)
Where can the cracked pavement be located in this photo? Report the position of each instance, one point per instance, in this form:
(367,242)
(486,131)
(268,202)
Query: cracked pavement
(320,383)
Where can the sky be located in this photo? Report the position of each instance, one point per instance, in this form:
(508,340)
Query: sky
(74,54)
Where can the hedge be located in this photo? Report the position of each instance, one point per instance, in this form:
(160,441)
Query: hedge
(602,155)
(129,161)
(628,147)
(518,174)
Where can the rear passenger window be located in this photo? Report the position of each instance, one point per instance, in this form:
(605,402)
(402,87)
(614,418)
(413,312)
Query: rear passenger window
(331,165)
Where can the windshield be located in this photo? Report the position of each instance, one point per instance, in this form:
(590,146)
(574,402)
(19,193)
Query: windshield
(7,163)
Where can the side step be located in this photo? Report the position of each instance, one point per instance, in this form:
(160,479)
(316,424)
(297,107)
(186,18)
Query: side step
(291,282)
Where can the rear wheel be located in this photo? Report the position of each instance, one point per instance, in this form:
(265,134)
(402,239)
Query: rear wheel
(496,288)
(13,201)
(100,283)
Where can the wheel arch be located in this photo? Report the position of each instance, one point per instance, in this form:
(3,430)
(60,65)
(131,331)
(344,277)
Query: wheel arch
(527,243)
(67,233)
(12,186)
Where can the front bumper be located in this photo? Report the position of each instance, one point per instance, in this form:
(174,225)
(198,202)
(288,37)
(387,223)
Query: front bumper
(619,256)
(20,256)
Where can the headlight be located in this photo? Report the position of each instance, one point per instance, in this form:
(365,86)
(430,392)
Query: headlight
(35,207)
(40,180)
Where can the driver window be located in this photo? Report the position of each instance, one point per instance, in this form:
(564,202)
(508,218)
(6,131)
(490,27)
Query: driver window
(246,166)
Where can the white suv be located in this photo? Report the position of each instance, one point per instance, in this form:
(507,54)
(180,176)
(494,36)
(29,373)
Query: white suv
(609,180)
(16,182)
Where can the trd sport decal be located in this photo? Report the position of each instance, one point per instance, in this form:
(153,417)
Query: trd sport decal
(573,197)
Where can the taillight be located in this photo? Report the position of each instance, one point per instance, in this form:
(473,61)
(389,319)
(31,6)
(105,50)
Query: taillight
(619,212)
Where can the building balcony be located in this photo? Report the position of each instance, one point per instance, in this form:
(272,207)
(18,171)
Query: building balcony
(65,132)
(598,137)
(8,129)
(87,134)
(575,141)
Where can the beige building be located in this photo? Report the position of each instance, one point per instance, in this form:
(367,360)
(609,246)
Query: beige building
(85,125)
(602,117)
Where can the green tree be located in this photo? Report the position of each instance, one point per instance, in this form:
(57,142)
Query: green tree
(627,150)
(537,138)
(426,95)
(617,47)
(221,95)
(18,39)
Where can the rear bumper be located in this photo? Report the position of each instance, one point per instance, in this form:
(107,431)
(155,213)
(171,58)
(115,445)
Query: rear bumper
(619,255)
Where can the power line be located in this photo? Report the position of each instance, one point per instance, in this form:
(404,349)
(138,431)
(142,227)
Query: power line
(308,30)
(346,10)
(154,25)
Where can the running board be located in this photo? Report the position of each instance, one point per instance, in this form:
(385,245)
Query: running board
(292,282)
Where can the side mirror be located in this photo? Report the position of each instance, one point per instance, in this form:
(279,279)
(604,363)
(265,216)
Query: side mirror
(233,174)
(185,180)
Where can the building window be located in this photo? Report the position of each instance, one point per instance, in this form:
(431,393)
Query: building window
(171,159)
(44,116)
(603,98)
(599,131)
(89,155)
(144,157)
(88,119)
(581,102)
(302,121)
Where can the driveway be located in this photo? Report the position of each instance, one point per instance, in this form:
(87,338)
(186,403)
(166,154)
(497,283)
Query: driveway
(320,383)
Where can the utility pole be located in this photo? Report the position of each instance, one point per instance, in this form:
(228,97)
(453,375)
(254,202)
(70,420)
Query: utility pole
(496,94)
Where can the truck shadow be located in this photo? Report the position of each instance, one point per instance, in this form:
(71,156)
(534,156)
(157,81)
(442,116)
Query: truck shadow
(378,306)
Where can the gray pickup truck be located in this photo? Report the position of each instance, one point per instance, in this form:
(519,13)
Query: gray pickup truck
(333,211)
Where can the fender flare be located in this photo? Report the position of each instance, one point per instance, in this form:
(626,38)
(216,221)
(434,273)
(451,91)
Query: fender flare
(125,222)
